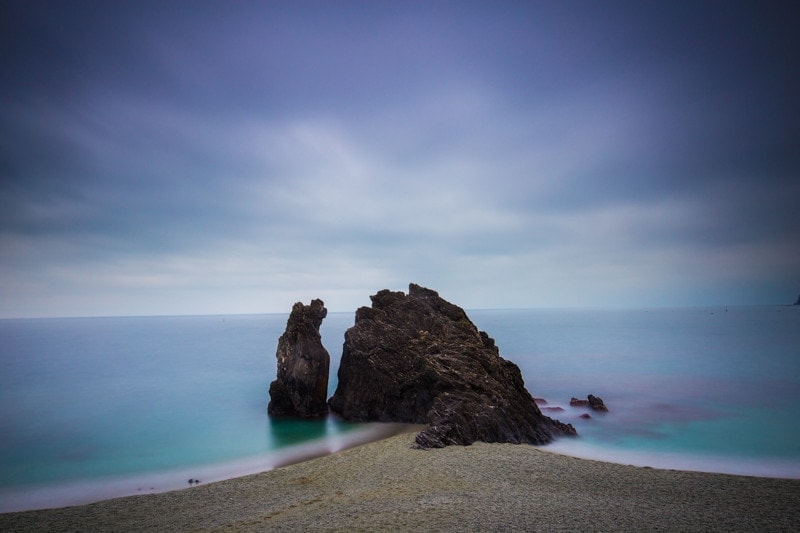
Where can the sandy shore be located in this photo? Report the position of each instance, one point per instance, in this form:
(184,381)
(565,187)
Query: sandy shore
(386,485)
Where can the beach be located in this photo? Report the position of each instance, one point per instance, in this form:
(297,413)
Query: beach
(387,485)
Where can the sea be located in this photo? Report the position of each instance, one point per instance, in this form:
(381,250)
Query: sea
(95,408)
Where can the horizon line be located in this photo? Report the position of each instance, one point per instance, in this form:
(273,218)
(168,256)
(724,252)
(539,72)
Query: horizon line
(472,309)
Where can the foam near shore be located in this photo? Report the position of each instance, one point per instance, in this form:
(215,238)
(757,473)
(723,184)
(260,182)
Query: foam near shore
(386,485)
(741,466)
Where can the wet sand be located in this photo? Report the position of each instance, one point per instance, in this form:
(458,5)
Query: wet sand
(386,485)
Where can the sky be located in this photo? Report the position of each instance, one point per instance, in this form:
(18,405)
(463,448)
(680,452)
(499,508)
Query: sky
(193,157)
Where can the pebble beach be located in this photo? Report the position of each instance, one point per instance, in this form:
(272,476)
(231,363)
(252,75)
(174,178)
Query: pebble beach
(388,486)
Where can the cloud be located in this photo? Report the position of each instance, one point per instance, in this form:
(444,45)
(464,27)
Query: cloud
(173,160)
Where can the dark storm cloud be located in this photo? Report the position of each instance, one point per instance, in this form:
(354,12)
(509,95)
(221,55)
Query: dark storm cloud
(207,148)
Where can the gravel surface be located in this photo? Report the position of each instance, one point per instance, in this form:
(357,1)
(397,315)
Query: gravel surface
(388,486)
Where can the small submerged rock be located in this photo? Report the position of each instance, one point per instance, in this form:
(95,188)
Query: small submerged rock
(592,402)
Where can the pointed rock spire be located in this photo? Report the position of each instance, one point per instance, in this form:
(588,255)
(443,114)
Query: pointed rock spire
(301,386)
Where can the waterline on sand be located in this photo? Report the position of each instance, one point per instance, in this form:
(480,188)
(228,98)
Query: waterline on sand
(709,463)
(79,492)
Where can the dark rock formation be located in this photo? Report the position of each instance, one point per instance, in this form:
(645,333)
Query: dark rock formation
(418,358)
(303,365)
(798,301)
(597,404)
(593,402)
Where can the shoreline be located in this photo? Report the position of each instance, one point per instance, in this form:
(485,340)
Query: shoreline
(77,493)
(385,484)
(776,468)
(80,492)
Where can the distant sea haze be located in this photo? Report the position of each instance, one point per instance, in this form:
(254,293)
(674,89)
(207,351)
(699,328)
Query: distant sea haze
(94,408)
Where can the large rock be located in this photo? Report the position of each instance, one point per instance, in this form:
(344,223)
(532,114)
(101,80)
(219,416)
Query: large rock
(418,358)
(303,365)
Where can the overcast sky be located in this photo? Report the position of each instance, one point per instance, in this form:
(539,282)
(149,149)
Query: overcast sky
(235,157)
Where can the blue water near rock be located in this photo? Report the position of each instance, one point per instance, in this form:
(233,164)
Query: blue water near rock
(92,408)
(709,389)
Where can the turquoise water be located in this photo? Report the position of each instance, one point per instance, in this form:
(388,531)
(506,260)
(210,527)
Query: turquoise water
(99,407)
(712,389)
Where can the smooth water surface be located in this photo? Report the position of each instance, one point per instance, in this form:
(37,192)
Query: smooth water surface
(714,389)
(85,399)
(121,405)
